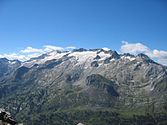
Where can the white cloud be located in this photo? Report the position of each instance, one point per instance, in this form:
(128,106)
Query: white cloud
(30,52)
(162,61)
(159,53)
(21,57)
(71,47)
(136,48)
(14,56)
(29,49)
(49,48)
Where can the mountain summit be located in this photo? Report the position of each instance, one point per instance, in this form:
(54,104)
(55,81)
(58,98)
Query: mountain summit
(57,85)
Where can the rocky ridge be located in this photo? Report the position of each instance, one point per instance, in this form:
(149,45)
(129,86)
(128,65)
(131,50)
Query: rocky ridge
(94,79)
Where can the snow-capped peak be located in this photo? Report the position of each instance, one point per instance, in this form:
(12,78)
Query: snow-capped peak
(45,57)
(106,49)
(82,56)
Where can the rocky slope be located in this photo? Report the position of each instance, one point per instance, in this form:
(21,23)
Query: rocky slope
(8,66)
(60,84)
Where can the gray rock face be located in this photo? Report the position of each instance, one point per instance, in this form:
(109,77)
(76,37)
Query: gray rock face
(94,64)
(100,82)
(83,78)
(7,66)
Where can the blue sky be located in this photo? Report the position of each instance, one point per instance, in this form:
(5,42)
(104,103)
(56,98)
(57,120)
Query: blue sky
(82,23)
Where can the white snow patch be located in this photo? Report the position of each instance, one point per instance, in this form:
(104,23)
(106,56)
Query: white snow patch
(84,56)
(106,49)
(138,62)
(100,64)
(12,62)
(112,60)
(104,55)
(53,55)
(80,124)
(152,88)
(50,56)
(128,57)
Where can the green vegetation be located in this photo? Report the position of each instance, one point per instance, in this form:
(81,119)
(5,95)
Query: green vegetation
(92,117)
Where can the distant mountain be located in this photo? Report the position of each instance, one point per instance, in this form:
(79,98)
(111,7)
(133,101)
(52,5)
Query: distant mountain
(8,66)
(95,87)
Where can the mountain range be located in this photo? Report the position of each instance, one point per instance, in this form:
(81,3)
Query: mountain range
(95,87)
